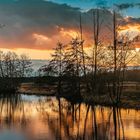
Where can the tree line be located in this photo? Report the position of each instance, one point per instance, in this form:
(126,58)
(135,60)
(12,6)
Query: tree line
(102,71)
(12,67)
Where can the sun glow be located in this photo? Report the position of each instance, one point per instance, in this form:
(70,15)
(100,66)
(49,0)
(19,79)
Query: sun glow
(130,28)
(131,31)
(137,49)
(32,53)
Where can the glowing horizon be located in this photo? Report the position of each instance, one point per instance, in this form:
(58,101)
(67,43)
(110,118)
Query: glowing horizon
(35,32)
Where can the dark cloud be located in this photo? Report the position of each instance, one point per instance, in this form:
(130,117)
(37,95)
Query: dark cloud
(127,5)
(131,22)
(24,18)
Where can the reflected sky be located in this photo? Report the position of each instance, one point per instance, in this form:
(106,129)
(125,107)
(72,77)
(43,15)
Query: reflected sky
(48,118)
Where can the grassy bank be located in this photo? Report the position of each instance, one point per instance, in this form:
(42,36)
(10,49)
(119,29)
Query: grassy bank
(128,100)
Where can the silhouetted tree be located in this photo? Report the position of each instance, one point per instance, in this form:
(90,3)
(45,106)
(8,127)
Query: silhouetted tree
(13,66)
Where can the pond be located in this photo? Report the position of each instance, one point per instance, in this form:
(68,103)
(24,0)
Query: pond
(25,117)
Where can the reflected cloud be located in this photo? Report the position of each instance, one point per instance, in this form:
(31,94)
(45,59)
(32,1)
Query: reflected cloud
(51,118)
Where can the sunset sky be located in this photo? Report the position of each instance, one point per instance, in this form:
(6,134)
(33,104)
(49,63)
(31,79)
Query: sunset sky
(34,27)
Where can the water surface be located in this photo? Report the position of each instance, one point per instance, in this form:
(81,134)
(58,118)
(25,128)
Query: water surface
(49,118)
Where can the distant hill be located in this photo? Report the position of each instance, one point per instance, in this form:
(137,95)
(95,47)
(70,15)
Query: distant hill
(36,64)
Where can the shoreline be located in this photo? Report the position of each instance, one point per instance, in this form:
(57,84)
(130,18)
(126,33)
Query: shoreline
(130,104)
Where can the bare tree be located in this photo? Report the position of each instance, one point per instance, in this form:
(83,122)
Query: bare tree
(96,52)
(121,54)
(55,66)
(12,67)
(73,59)
(25,66)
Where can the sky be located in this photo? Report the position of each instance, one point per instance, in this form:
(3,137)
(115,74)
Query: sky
(88,4)
(34,27)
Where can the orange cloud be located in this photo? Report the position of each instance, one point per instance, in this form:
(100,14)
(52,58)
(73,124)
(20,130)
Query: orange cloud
(40,33)
(40,39)
(70,32)
(132,30)
(130,27)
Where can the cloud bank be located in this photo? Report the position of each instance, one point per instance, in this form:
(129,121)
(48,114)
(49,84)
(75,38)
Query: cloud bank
(39,24)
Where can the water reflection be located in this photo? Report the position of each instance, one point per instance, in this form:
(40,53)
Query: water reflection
(50,118)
